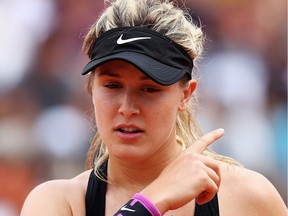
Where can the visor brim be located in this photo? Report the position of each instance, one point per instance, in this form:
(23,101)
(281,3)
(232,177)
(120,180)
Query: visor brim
(160,73)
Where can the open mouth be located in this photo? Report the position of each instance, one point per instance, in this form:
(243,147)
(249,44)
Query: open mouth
(129,130)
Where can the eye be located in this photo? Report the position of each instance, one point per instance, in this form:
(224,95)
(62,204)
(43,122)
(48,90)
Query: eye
(151,89)
(112,85)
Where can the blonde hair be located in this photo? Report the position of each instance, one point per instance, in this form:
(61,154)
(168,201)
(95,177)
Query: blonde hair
(162,16)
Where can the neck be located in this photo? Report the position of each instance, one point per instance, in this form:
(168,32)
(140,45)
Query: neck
(135,176)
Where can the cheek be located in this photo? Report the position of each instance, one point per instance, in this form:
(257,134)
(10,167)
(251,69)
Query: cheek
(102,100)
(162,126)
(103,109)
(164,115)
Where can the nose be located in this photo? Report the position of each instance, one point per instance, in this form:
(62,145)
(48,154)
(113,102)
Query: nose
(129,105)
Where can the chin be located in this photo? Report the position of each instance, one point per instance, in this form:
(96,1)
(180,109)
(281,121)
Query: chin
(128,155)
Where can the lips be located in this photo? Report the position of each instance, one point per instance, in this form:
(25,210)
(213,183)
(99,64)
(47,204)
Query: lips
(128,134)
(130,129)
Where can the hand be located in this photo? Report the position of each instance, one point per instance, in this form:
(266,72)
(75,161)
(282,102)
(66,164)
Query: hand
(191,175)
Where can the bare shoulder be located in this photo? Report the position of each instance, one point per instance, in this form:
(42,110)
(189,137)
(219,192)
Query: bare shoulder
(58,197)
(248,193)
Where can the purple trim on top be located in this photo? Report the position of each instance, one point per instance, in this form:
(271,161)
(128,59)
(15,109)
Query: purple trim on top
(147,203)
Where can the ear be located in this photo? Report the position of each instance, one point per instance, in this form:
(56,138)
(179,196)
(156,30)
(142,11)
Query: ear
(187,93)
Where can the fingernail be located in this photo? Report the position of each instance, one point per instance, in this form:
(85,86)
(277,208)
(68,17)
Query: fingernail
(221,130)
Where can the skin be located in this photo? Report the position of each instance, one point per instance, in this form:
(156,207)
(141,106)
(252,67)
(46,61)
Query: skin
(150,161)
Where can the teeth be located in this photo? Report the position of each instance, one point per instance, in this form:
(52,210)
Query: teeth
(130,130)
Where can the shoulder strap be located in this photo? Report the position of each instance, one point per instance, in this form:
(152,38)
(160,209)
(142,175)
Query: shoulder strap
(208,209)
(96,193)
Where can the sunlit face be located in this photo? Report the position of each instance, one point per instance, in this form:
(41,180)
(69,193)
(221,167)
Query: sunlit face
(136,116)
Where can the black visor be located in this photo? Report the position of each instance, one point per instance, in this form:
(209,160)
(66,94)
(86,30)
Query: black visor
(154,54)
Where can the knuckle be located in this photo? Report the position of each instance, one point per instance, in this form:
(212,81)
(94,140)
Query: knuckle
(190,156)
(206,138)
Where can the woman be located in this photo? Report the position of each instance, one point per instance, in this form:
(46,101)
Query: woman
(148,156)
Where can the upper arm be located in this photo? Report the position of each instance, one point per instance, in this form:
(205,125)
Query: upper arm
(249,193)
(47,199)
(267,200)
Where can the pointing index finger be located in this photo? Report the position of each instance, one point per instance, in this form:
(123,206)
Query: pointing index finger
(206,140)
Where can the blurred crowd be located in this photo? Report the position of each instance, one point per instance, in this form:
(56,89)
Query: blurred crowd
(46,116)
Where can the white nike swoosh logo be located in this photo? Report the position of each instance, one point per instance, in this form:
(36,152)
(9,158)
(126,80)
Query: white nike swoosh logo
(123,41)
(127,209)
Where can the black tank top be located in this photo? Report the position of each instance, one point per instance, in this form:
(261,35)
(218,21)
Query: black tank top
(96,197)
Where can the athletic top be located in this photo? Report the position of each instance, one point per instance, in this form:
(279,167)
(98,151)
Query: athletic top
(97,188)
